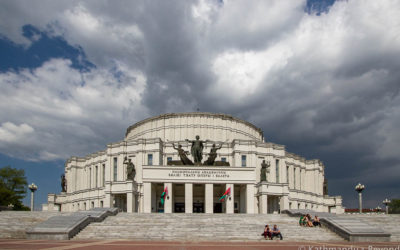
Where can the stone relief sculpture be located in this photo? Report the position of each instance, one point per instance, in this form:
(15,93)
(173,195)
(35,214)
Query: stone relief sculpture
(183,155)
(264,170)
(212,156)
(63,183)
(197,150)
(130,169)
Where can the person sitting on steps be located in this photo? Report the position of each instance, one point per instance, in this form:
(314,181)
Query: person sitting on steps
(308,221)
(267,233)
(302,220)
(316,222)
(276,232)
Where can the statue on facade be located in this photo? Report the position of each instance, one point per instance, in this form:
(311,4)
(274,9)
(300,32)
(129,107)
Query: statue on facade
(197,150)
(183,155)
(212,156)
(264,170)
(325,187)
(130,169)
(63,183)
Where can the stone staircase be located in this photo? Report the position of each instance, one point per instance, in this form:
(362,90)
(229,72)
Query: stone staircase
(389,223)
(201,227)
(13,224)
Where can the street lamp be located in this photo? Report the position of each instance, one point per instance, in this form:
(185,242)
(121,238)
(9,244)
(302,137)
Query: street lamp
(386,202)
(33,188)
(359,189)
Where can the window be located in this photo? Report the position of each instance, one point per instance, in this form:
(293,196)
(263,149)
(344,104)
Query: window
(150,159)
(115,168)
(90,178)
(223,159)
(101,203)
(287,174)
(243,161)
(92,204)
(294,178)
(277,171)
(104,175)
(169,159)
(301,173)
(97,174)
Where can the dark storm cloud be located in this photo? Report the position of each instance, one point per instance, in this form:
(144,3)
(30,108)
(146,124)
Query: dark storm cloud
(323,83)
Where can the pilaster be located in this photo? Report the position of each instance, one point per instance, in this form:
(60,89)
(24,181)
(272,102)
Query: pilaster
(188,198)
(209,198)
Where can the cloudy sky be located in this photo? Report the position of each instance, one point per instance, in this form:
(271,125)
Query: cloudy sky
(321,77)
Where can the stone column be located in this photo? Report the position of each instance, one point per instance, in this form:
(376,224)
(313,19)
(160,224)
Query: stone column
(209,198)
(242,200)
(230,200)
(188,198)
(284,203)
(250,198)
(168,199)
(263,198)
(147,197)
(129,201)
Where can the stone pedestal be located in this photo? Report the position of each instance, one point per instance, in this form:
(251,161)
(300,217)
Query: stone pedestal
(209,198)
(188,198)
(51,198)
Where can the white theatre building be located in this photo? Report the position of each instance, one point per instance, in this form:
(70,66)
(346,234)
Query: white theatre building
(101,179)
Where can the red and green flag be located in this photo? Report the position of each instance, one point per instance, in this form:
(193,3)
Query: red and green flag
(165,193)
(227,193)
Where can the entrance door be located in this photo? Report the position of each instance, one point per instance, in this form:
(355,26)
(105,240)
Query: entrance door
(179,208)
(217,208)
(198,207)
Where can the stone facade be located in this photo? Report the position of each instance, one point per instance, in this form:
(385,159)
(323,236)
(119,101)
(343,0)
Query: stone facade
(100,179)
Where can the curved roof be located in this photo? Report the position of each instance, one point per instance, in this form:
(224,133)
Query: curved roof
(170,115)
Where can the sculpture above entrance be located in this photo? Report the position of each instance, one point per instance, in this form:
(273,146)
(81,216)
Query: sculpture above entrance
(197,153)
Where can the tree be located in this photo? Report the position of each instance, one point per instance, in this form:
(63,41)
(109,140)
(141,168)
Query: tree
(13,187)
(394,206)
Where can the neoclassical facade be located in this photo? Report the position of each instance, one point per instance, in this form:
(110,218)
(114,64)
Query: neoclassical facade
(101,179)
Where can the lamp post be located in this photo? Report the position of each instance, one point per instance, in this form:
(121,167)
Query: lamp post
(386,202)
(33,188)
(359,189)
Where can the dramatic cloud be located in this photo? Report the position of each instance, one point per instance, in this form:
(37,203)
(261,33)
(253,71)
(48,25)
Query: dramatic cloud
(325,85)
(63,111)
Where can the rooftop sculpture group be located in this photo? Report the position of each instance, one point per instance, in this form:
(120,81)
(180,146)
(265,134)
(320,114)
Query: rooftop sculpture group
(197,153)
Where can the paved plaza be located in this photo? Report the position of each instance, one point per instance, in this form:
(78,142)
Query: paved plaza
(124,244)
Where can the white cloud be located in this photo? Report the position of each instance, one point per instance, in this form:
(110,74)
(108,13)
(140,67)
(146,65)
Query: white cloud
(69,110)
(11,133)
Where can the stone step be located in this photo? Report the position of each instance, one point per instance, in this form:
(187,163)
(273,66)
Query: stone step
(199,227)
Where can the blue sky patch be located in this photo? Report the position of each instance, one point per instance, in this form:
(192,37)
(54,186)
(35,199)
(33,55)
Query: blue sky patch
(42,48)
(318,6)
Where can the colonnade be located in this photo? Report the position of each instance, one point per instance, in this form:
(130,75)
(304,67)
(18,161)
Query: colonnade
(208,198)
